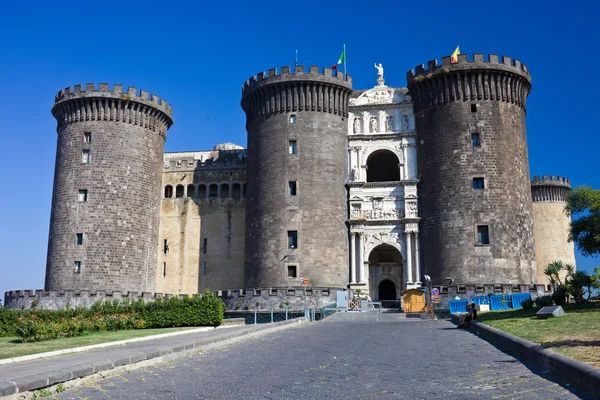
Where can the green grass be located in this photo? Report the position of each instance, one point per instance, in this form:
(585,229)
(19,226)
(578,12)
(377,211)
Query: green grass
(575,335)
(12,346)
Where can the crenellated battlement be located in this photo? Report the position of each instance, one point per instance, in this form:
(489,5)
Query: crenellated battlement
(314,74)
(54,299)
(477,62)
(294,298)
(138,108)
(497,78)
(546,180)
(131,94)
(550,189)
(272,93)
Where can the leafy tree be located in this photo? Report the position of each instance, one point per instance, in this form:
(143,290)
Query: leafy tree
(584,208)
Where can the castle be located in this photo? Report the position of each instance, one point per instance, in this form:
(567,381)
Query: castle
(338,188)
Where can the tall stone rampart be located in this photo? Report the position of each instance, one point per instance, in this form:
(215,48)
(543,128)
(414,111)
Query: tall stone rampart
(475,195)
(551,224)
(296,123)
(107,182)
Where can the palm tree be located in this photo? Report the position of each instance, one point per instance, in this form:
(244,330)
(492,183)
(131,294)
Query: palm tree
(577,282)
(553,270)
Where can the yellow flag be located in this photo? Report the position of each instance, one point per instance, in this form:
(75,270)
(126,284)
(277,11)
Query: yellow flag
(454,56)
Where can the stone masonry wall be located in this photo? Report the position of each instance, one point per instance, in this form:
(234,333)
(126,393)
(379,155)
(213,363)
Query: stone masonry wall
(311,109)
(451,207)
(120,218)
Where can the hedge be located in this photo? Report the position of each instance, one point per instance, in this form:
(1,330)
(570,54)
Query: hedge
(204,310)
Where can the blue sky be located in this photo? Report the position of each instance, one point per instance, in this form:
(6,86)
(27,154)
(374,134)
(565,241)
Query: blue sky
(197,55)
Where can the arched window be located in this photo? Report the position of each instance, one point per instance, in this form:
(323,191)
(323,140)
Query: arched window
(383,166)
(236,191)
(213,191)
(224,190)
(179,191)
(191,191)
(168,191)
(202,190)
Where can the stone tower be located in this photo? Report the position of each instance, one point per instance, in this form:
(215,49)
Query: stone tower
(296,199)
(551,224)
(107,189)
(474,189)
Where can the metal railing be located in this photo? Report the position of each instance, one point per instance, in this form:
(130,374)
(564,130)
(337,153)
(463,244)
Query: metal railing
(273,315)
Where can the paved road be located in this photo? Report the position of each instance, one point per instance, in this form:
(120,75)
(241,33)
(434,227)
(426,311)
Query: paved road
(349,356)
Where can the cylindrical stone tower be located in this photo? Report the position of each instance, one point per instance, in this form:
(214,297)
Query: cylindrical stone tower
(107,180)
(474,190)
(296,199)
(551,224)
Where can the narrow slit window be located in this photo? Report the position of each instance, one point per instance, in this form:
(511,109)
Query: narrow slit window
(204,268)
(87,137)
(77,267)
(79,239)
(475,140)
(292,187)
(292,271)
(83,195)
(483,234)
(204,245)
(292,239)
(478,183)
(292,147)
(164,269)
(85,156)
(474,108)
(165,247)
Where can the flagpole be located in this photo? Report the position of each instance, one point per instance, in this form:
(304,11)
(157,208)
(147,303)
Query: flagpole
(345,56)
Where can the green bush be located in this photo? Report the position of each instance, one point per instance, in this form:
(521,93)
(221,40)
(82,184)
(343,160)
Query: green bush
(527,304)
(34,325)
(544,301)
(560,295)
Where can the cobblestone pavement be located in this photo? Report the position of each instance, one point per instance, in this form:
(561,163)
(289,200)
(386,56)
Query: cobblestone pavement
(348,356)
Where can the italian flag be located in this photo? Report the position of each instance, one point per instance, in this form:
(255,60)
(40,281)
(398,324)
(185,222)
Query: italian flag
(341,59)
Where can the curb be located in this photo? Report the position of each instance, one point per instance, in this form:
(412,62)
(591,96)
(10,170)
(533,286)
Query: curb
(580,374)
(134,359)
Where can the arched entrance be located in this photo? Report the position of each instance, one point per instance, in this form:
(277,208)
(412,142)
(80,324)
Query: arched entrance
(385,273)
(387,290)
(383,166)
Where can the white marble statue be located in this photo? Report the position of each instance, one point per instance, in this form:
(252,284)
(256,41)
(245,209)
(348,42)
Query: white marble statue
(379,71)
(389,119)
(405,122)
(356,125)
(373,125)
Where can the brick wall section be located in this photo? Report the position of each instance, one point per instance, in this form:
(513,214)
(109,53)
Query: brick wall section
(318,213)
(447,163)
(120,218)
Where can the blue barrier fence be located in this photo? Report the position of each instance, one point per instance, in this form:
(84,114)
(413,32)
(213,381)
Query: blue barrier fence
(518,298)
(479,300)
(500,302)
(457,306)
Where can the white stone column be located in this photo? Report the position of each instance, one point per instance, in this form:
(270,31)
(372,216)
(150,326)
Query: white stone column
(405,155)
(352,257)
(361,261)
(417,257)
(366,120)
(359,172)
(413,162)
(409,258)
(382,115)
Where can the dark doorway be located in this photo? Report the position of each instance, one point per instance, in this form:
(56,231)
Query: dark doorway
(387,290)
(382,166)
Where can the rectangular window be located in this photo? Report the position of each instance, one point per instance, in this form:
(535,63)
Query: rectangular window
(164,269)
(483,234)
(79,239)
(83,195)
(292,239)
(292,185)
(85,156)
(293,119)
(87,137)
(77,266)
(292,271)
(473,107)
(204,245)
(292,148)
(478,183)
(204,268)
(475,140)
